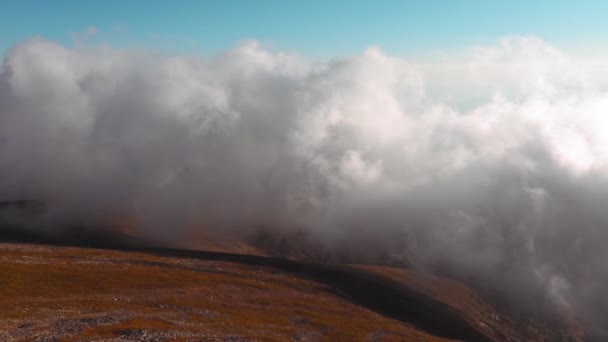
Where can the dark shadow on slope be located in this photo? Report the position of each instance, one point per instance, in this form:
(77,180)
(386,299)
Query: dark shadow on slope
(372,291)
(379,294)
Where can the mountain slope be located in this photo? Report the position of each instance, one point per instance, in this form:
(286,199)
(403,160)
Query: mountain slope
(58,293)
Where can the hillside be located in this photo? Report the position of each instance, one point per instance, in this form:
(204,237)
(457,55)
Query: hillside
(70,293)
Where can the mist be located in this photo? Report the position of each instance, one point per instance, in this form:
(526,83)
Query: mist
(490,164)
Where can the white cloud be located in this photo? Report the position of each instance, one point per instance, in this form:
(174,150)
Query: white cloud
(452,151)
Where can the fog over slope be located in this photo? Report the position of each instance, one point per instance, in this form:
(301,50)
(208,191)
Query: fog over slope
(491,163)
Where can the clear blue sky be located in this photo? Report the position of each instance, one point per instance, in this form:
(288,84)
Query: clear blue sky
(310,27)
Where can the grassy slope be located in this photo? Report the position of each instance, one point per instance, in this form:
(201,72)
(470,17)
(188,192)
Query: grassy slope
(41,286)
(81,294)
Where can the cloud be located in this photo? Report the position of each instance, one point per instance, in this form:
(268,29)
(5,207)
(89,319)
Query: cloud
(492,164)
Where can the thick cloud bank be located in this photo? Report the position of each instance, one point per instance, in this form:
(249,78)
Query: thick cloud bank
(492,163)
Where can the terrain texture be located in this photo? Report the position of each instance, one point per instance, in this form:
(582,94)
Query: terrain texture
(74,293)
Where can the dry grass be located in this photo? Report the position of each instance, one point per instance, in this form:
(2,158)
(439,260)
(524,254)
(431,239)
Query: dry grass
(80,294)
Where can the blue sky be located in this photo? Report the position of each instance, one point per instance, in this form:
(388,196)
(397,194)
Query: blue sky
(310,27)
